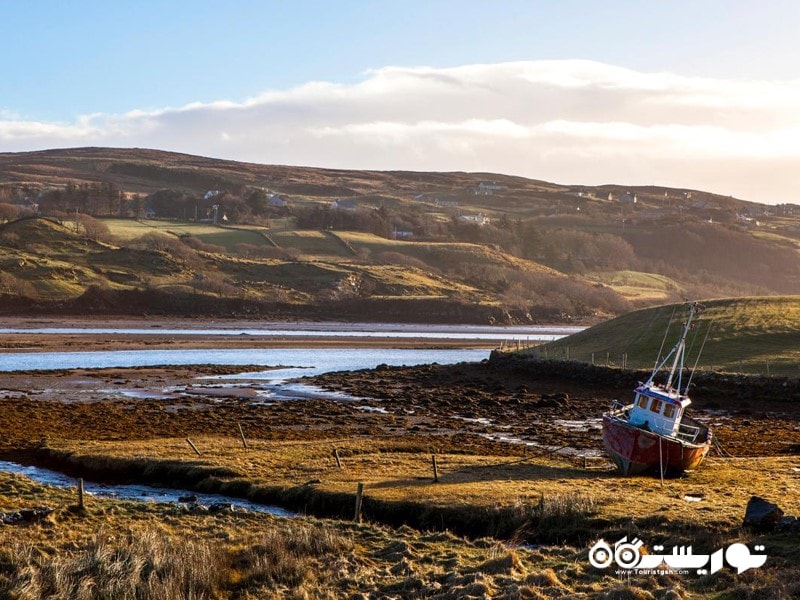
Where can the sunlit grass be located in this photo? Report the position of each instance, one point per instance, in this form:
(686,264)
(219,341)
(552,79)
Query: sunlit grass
(117,546)
(398,471)
(638,286)
(748,335)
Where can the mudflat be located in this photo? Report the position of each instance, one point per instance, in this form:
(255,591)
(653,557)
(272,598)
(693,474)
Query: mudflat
(518,458)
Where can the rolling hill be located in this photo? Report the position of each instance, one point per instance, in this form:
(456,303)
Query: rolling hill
(740,335)
(528,249)
(48,266)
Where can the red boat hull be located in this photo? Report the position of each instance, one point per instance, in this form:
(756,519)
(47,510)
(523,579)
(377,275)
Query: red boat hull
(635,450)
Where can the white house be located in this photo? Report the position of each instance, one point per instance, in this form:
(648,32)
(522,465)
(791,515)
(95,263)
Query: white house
(478,219)
(487,188)
(344,204)
(277,201)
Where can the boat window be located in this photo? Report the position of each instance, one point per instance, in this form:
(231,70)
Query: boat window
(655,405)
(669,411)
(642,401)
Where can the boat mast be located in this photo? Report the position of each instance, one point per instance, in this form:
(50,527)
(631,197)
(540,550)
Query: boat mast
(680,348)
(677,350)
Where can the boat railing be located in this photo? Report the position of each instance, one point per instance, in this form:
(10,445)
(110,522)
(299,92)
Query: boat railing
(687,433)
(617,405)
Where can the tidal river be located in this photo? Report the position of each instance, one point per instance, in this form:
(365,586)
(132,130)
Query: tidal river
(271,382)
(305,361)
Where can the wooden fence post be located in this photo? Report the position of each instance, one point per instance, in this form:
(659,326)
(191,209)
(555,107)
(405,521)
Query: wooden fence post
(80,493)
(359,499)
(241,434)
(435,469)
(196,451)
(336,456)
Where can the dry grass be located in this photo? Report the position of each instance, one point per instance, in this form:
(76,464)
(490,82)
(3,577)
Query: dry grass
(131,550)
(557,494)
(642,288)
(146,565)
(125,550)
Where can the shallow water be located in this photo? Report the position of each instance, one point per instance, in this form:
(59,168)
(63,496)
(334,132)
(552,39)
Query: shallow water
(305,361)
(139,493)
(350,330)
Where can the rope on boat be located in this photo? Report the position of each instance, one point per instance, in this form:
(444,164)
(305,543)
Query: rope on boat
(720,450)
(666,333)
(694,368)
(691,346)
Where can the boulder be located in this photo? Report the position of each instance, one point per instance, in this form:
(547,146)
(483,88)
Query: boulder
(762,514)
(788,523)
(221,507)
(25,515)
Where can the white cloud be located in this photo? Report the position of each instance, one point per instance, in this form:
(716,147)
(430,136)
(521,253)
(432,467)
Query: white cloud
(571,121)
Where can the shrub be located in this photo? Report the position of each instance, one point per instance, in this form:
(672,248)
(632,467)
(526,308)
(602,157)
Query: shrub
(165,243)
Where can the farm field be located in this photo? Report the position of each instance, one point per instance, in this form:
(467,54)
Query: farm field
(130,229)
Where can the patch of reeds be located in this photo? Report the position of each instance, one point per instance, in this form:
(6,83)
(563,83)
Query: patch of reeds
(288,554)
(557,518)
(142,566)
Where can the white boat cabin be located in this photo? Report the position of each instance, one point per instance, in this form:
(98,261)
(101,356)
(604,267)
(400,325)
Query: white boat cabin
(658,409)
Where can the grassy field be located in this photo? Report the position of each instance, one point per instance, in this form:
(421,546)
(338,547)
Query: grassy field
(228,238)
(122,545)
(638,286)
(156,552)
(318,244)
(397,471)
(747,335)
(52,263)
(311,242)
(125,549)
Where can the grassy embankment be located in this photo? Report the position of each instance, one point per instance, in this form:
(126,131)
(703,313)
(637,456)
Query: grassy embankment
(759,335)
(525,500)
(128,549)
(479,492)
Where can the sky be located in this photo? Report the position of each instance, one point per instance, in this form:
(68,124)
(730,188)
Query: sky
(700,95)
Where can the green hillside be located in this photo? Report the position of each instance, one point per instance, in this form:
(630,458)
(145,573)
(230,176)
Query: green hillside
(536,251)
(747,335)
(195,268)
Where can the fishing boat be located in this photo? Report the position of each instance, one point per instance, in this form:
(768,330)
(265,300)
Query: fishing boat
(653,433)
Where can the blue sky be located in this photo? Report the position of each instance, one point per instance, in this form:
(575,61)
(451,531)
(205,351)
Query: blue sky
(84,73)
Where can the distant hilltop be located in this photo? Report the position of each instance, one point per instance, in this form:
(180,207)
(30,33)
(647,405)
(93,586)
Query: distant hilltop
(468,246)
(143,171)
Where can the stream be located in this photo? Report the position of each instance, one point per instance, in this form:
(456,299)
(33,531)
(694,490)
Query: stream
(136,492)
